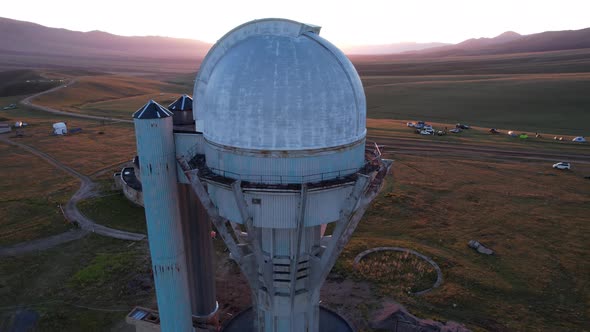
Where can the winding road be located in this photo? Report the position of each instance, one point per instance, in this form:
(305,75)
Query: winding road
(28,102)
(71,212)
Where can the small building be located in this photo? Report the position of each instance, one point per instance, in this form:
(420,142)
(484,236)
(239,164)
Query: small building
(579,139)
(5,128)
(60,128)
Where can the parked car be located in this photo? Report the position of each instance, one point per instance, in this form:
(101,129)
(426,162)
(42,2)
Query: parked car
(562,165)
(579,139)
(427,131)
(494,131)
(420,124)
(462,126)
(410,124)
(455,130)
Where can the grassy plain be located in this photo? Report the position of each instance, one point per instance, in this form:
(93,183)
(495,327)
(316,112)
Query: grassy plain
(99,144)
(123,108)
(16,82)
(555,62)
(31,190)
(534,219)
(532,92)
(86,285)
(524,102)
(115,210)
(116,96)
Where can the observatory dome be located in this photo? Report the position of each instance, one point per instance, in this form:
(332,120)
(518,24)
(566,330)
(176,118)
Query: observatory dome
(275,84)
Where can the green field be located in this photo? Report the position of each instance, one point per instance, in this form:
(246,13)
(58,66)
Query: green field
(116,211)
(556,103)
(21,82)
(86,285)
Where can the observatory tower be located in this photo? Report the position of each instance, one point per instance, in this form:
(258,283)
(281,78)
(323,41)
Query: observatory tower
(277,153)
(282,112)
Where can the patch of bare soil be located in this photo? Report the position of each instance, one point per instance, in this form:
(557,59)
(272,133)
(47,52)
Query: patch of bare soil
(394,317)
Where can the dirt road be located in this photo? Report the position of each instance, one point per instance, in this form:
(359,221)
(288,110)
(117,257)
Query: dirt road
(28,102)
(87,190)
(424,147)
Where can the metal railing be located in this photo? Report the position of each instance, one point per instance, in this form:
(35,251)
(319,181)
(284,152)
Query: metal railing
(286,179)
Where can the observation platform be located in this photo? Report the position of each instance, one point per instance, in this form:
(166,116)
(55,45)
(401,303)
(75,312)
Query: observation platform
(320,180)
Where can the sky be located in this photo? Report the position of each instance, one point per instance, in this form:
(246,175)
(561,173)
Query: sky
(344,23)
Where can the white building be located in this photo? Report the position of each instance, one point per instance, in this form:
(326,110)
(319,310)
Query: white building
(60,128)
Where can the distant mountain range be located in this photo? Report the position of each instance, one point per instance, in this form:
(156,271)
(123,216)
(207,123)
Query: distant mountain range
(390,48)
(30,38)
(30,45)
(512,42)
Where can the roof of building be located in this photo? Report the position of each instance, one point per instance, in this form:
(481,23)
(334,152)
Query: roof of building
(275,84)
(152,110)
(184,103)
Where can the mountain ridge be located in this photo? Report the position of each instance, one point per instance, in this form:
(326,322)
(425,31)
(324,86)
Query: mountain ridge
(31,45)
(28,37)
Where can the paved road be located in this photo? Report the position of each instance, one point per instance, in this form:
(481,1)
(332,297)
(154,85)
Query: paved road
(28,102)
(87,190)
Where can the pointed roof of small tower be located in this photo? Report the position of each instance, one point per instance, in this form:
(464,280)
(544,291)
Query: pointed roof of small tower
(184,103)
(152,110)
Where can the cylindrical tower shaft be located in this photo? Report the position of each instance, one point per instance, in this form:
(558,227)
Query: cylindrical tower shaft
(199,252)
(155,148)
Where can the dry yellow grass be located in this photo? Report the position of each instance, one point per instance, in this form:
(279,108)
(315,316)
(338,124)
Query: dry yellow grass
(91,90)
(87,151)
(123,108)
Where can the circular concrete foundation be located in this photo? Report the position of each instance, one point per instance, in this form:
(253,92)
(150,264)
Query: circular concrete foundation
(439,276)
(329,322)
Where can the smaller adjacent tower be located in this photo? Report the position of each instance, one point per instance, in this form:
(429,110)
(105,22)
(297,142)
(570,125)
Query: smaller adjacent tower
(182,111)
(155,148)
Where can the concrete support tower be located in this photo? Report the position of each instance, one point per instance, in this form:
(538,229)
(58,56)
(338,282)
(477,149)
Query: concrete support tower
(155,148)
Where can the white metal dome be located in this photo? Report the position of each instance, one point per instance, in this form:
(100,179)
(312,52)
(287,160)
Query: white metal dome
(275,84)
